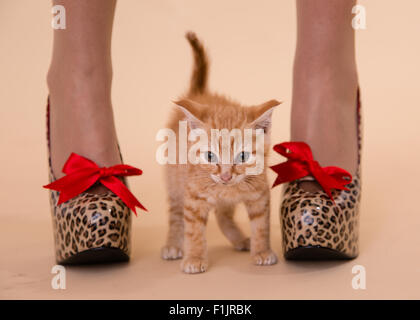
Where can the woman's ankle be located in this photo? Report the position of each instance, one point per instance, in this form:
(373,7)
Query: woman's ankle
(316,83)
(69,77)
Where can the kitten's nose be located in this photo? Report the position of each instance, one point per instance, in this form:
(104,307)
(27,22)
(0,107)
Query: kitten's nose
(226,176)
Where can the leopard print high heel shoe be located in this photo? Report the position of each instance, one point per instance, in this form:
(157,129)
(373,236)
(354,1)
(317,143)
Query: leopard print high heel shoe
(89,228)
(316,226)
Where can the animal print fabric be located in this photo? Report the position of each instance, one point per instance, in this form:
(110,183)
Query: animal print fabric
(89,221)
(312,219)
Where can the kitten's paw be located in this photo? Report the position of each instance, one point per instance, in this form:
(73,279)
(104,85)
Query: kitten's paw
(243,245)
(194,265)
(171,253)
(265,258)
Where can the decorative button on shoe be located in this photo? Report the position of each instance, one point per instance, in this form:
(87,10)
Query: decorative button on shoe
(91,228)
(324,224)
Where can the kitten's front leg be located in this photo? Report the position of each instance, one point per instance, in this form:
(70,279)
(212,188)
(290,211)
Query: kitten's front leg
(174,242)
(259,214)
(195,246)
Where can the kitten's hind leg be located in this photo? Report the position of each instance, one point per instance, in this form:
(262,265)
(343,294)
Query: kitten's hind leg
(224,215)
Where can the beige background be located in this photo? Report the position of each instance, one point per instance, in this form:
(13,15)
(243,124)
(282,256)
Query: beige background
(251,45)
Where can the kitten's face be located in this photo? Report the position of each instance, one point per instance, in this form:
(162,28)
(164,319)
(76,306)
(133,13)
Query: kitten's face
(227,164)
(223,161)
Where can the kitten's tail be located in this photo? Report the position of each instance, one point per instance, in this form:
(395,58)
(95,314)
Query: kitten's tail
(199,75)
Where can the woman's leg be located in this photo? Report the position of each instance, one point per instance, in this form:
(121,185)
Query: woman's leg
(79,81)
(325,82)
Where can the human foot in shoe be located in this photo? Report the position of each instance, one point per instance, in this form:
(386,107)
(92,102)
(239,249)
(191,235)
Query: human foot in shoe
(315,225)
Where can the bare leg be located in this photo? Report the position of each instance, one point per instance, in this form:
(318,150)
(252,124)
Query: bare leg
(79,81)
(325,83)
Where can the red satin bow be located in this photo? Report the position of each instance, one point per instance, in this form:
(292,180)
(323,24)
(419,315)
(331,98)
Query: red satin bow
(82,173)
(301,163)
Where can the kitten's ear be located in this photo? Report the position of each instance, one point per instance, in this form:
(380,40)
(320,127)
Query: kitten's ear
(263,114)
(190,108)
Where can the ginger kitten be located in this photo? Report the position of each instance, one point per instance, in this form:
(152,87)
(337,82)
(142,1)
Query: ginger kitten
(195,189)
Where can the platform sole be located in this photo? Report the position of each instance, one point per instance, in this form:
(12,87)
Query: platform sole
(96,256)
(316,253)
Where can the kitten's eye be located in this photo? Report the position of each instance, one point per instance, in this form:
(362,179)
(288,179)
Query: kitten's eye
(210,157)
(242,157)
